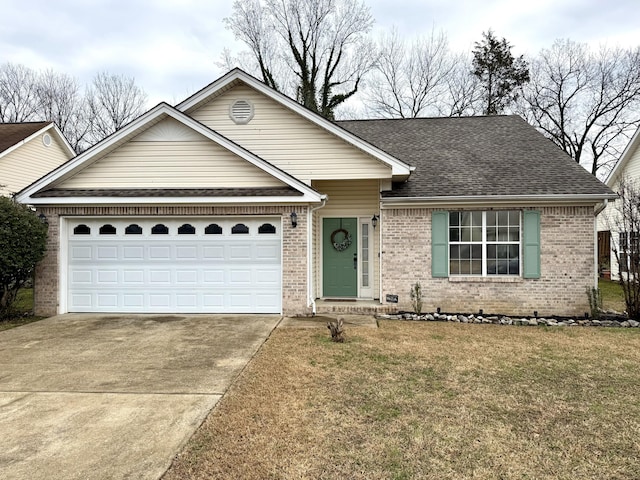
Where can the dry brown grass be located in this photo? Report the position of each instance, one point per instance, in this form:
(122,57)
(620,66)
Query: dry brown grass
(428,400)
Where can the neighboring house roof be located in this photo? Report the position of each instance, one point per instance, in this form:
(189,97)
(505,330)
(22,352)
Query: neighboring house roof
(494,156)
(13,133)
(624,159)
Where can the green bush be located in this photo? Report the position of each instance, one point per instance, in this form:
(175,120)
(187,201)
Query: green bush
(22,244)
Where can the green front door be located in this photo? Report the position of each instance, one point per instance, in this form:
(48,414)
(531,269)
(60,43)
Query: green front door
(340,257)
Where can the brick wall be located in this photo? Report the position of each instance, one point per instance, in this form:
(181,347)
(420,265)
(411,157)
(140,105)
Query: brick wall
(567,263)
(294,254)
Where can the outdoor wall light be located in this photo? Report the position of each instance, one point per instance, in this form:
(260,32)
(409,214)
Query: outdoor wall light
(43,218)
(294,219)
(374,220)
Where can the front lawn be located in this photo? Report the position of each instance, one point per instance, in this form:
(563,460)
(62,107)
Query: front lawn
(23,311)
(431,401)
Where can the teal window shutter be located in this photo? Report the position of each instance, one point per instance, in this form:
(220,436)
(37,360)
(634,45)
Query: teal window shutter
(439,244)
(531,244)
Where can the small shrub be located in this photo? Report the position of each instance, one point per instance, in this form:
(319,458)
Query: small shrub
(337,330)
(416,298)
(595,301)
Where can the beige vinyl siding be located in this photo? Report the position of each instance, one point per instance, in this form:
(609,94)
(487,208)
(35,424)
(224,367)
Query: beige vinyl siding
(171,164)
(348,198)
(288,140)
(27,163)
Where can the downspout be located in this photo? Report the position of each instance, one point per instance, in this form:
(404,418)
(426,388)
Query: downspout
(310,240)
(599,208)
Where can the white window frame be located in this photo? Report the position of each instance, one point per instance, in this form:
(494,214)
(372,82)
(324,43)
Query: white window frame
(484,243)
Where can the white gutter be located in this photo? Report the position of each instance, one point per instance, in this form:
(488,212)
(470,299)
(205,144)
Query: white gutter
(310,239)
(601,207)
(499,199)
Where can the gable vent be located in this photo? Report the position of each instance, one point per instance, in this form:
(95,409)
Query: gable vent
(241,111)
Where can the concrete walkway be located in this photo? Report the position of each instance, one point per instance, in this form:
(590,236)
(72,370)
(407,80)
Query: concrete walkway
(114,396)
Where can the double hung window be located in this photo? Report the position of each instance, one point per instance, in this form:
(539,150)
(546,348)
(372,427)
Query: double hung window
(485,243)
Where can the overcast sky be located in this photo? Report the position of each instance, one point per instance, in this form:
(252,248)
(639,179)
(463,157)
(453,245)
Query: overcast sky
(171,46)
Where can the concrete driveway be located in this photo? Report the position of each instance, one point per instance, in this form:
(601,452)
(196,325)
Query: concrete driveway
(114,396)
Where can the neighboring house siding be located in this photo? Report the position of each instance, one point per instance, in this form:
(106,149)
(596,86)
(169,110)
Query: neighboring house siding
(27,163)
(609,219)
(354,198)
(294,246)
(171,156)
(289,141)
(567,262)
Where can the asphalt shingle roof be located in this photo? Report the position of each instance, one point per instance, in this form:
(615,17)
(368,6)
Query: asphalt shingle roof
(171,192)
(12,133)
(476,156)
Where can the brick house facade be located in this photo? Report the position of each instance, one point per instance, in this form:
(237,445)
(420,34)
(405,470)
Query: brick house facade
(351,209)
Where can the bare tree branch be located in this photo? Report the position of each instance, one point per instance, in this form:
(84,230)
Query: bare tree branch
(587,103)
(311,50)
(410,79)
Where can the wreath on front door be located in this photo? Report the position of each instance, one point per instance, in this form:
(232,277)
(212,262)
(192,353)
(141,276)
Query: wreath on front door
(340,244)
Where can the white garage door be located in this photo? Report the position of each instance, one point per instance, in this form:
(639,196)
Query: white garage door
(179,265)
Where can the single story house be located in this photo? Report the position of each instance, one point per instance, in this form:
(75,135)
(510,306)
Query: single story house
(28,150)
(612,229)
(241,200)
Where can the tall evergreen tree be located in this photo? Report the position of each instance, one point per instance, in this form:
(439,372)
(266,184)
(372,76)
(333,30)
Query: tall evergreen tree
(500,74)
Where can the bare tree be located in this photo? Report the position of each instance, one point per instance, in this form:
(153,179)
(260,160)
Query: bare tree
(113,101)
(410,79)
(18,93)
(464,94)
(587,103)
(322,44)
(60,101)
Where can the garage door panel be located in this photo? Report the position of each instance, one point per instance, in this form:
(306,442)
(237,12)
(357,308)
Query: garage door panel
(239,252)
(130,252)
(133,300)
(186,277)
(81,252)
(213,252)
(133,277)
(208,273)
(80,277)
(107,300)
(160,252)
(107,276)
(213,277)
(104,252)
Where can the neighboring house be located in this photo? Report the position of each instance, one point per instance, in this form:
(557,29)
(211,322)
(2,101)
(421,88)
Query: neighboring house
(241,200)
(28,151)
(610,229)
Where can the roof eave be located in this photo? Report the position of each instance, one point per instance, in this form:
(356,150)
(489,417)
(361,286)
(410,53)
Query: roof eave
(99,201)
(498,200)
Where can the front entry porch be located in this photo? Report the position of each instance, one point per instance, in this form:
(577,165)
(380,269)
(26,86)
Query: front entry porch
(353,307)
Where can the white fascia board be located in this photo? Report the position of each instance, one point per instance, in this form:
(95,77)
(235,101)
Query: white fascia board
(59,136)
(398,168)
(154,115)
(100,201)
(624,158)
(63,140)
(489,200)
